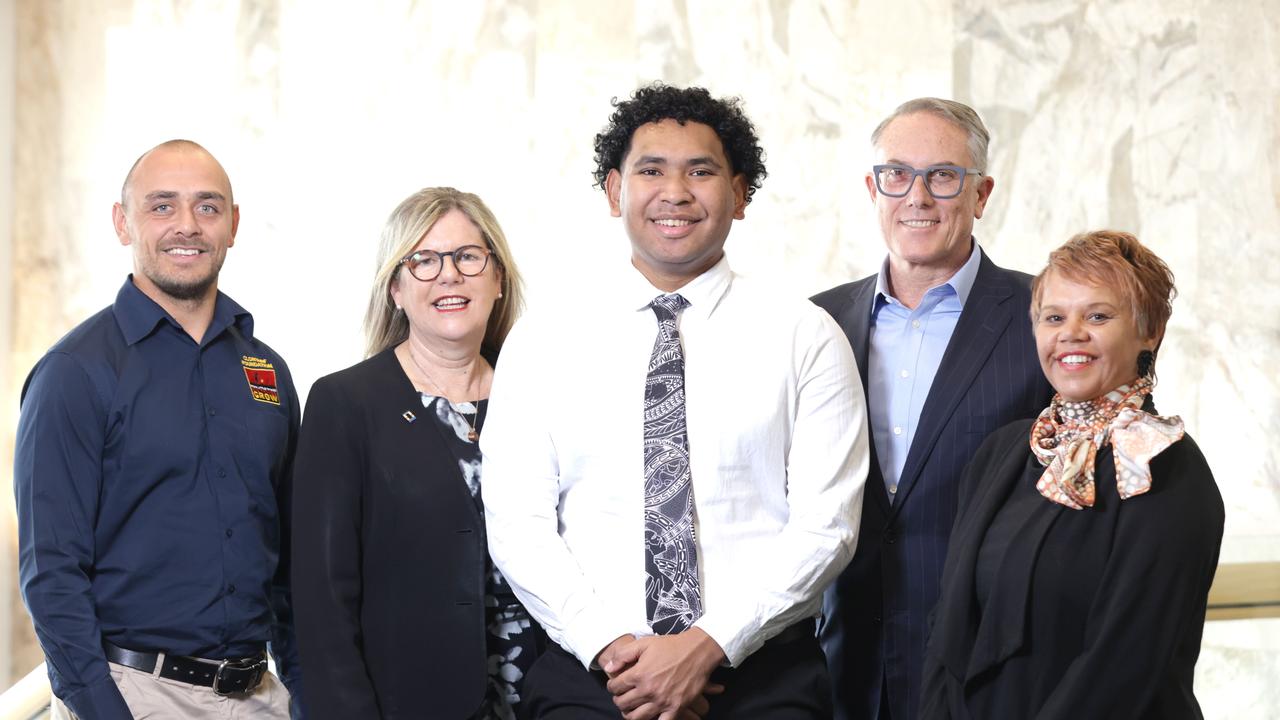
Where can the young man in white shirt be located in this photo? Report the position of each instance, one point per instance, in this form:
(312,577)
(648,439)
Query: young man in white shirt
(674,465)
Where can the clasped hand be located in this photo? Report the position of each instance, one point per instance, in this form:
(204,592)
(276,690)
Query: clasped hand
(666,677)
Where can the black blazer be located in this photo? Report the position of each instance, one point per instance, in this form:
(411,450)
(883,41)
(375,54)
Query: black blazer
(388,555)
(1093,613)
(874,619)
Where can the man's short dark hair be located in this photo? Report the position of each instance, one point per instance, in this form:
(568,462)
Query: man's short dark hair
(657,102)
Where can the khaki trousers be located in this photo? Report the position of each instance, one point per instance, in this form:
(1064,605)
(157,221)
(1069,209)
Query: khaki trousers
(151,697)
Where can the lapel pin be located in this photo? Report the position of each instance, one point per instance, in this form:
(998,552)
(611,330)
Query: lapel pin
(409,417)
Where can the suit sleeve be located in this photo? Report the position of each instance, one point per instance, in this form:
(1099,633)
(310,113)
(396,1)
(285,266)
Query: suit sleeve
(1152,596)
(57,482)
(284,638)
(329,472)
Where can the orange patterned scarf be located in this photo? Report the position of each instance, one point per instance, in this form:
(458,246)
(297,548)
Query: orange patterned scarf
(1067,435)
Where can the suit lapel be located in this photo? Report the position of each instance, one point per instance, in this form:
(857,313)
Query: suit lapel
(429,431)
(855,320)
(985,316)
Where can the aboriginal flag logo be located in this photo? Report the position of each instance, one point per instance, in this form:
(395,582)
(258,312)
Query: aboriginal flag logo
(261,376)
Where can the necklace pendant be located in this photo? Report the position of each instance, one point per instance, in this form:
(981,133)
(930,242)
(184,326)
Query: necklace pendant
(472,435)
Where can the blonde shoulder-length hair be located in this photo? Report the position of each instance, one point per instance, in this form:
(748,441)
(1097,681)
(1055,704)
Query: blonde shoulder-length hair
(384,326)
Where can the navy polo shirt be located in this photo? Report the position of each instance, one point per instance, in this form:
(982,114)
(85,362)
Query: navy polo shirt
(152,476)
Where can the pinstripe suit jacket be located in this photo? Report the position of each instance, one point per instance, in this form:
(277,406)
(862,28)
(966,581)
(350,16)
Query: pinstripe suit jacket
(875,615)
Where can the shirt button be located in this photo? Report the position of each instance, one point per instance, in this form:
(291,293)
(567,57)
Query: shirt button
(904,373)
(231,589)
(915,324)
(893,490)
(229,533)
(897,431)
(222,473)
(213,411)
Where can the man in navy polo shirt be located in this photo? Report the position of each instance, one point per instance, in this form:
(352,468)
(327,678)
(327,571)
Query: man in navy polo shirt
(152,476)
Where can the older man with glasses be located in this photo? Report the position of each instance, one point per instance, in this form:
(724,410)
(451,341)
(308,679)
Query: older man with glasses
(946,354)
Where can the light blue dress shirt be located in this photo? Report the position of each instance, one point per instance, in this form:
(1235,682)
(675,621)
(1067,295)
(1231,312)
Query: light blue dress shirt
(906,349)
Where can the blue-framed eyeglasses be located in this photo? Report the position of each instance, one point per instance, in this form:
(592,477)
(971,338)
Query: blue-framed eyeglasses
(942,181)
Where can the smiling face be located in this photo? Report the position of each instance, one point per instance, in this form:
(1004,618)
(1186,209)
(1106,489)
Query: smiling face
(926,235)
(1087,338)
(453,307)
(178,218)
(678,197)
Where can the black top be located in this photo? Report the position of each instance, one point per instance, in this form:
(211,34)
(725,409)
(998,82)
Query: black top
(1022,503)
(390,566)
(150,472)
(1094,613)
(513,640)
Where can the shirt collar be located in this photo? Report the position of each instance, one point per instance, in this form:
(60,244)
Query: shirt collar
(961,283)
(138,315)
(703,292)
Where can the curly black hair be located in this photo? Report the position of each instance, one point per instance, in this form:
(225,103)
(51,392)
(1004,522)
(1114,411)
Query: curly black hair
(659,101)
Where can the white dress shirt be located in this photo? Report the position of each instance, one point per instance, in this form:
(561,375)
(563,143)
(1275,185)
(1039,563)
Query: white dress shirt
(777,444)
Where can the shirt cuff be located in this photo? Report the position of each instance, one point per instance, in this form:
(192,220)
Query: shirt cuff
(99,700)
(736,641)
(589,637)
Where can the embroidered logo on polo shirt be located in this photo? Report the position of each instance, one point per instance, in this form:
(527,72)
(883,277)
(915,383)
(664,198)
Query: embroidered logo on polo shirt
(261,375)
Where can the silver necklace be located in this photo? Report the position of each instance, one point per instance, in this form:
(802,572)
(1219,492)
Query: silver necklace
(472,434)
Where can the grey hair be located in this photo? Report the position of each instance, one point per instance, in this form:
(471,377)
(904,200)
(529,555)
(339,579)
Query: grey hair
(959,114)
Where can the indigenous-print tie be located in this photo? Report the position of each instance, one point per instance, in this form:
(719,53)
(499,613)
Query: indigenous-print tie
(672,597)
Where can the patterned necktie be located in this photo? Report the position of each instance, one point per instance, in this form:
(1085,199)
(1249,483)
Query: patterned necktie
(672,597)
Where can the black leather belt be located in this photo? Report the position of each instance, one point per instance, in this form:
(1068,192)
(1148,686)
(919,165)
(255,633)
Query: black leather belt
(239,675)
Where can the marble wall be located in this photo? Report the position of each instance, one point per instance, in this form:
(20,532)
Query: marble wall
(1155,116)
(10,616)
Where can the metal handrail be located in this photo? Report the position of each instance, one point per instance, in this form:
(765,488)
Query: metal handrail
(1245,590)
(29,698)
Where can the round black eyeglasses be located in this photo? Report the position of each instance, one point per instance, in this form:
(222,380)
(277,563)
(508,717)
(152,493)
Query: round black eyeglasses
(425,265)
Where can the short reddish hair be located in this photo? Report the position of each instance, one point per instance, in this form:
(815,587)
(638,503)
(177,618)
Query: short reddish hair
(1116,259)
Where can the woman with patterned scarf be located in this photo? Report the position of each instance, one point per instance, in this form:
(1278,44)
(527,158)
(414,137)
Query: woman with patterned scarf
(1086,539)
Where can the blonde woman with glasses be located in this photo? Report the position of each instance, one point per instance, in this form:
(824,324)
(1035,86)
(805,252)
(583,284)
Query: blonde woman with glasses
(400,612)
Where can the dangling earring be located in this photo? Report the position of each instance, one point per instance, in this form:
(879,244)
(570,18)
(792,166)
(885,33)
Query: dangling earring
(1146,363)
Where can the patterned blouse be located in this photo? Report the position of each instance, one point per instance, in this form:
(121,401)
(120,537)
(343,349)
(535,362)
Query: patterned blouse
(512,640)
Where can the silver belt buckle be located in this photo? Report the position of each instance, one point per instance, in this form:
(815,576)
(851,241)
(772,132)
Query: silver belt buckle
(258,669)
(217,677)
